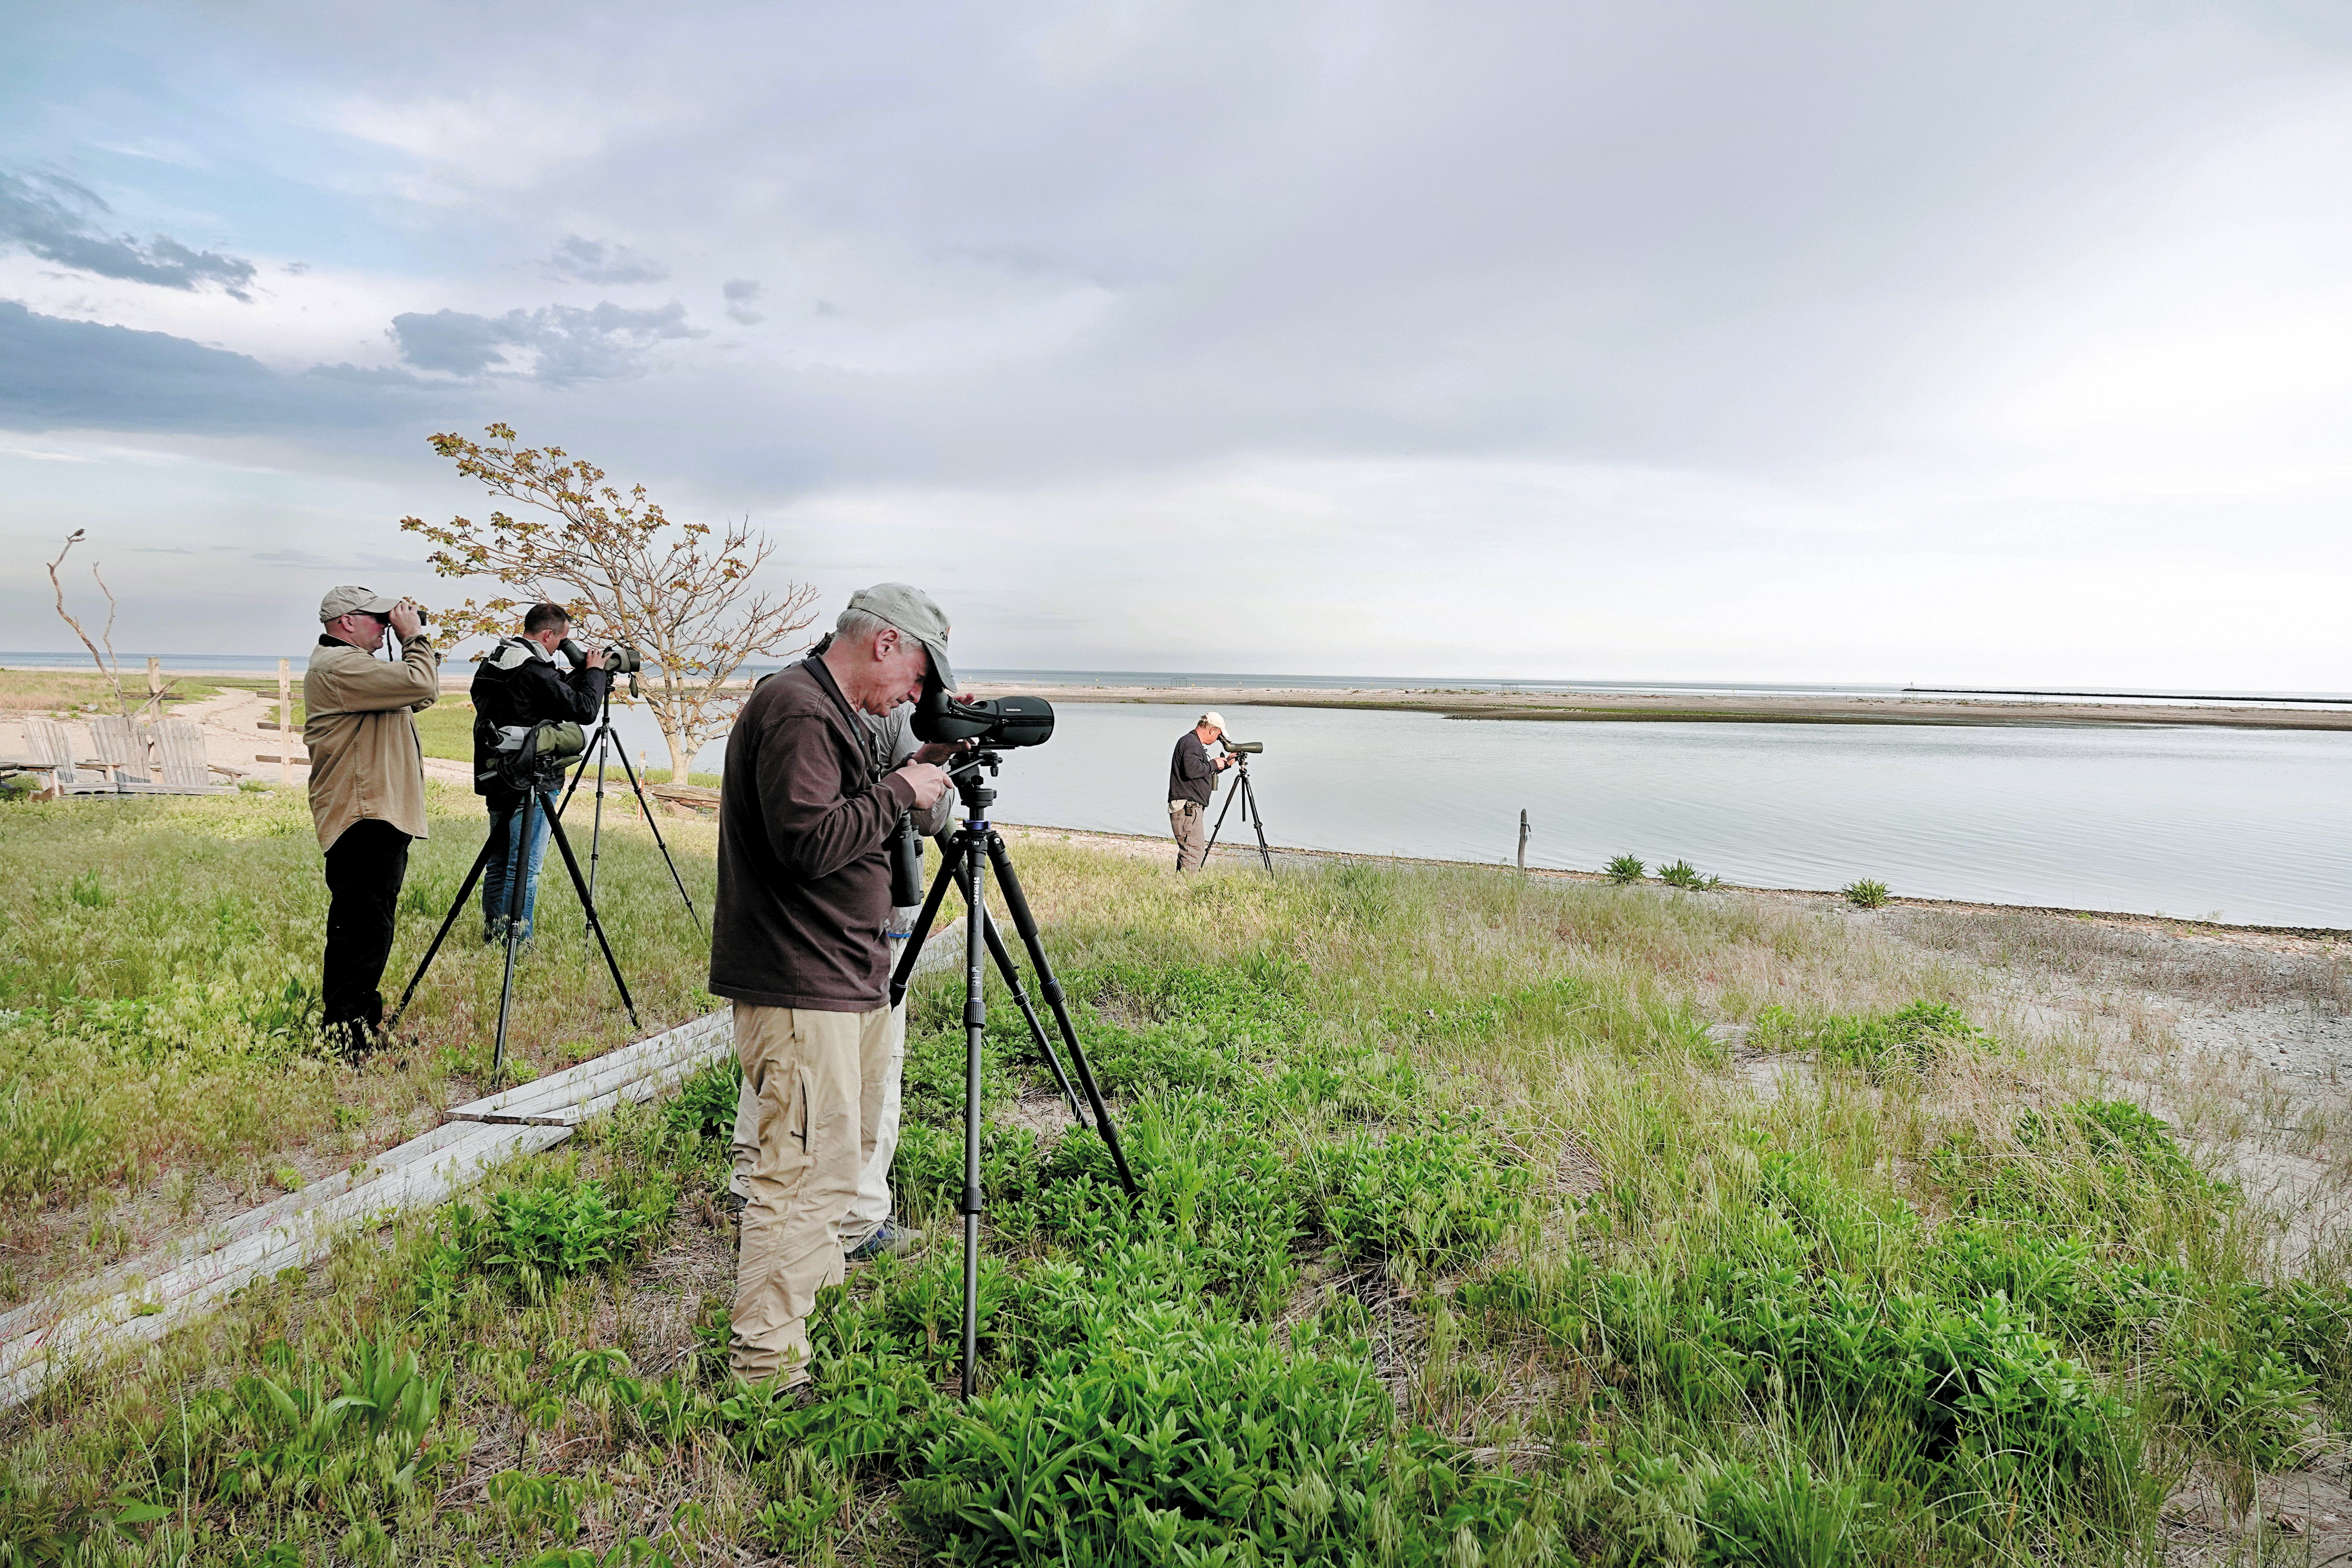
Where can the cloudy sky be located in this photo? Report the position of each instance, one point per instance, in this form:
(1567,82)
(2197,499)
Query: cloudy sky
(1870,341)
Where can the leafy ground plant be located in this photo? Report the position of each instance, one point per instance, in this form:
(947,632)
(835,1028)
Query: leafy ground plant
(1864,894)
(1625,869)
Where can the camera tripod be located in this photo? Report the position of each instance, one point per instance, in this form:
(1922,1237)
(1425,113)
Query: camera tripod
(519,825)
(1247,792)
(968,855)
(607,740)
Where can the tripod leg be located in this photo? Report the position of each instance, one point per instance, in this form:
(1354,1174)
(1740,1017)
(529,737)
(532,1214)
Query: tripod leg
(1051,989)
(519,828)
(579,886)
(574,787)
(1029,1012)
(442,935)
(975,1029)
(645,806)
(1258,822)
(951,857)
(596,818)
(1231,795)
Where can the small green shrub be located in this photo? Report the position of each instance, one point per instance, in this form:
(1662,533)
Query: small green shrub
(705,1106)
(1437,1197)
(1625,869)
(534,1236)
(359,1446)
(1912,1038)
(1866,894)
(1683,873)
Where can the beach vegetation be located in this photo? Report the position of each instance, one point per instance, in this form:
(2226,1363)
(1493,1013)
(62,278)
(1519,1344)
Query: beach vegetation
(1864,894)
(1683,873)
(1624,868)
(1461,1237)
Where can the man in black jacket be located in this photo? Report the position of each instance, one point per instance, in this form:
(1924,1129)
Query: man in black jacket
(1191,780)
(517,685)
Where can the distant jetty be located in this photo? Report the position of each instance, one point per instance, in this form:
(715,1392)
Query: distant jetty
(1613,706)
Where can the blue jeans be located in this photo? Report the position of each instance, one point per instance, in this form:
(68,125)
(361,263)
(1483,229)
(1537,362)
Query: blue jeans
(497,877)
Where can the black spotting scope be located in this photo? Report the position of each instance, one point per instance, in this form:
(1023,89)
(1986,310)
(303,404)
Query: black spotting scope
(998,723)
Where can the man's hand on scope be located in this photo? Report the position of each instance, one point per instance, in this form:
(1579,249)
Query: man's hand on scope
(928,779)
(405,621)
(595,660)
(941,751)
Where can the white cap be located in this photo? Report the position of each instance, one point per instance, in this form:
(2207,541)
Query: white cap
(1213,721)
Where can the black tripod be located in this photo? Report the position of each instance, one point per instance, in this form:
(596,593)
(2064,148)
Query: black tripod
(607,740)
(1246,791)
(969,853)
(518,830)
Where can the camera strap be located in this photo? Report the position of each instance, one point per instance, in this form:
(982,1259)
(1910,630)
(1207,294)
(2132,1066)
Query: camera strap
(875,764)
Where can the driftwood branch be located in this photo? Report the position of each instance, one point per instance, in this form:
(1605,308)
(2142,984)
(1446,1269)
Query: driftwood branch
(112,671)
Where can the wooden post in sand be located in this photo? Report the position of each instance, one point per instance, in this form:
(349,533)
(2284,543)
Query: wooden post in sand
(154,686)
(285,718)
(1523,838)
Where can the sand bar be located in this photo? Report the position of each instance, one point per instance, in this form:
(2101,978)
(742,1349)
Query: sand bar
(1570,707)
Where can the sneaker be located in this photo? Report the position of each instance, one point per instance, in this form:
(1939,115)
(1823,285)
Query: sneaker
(733,1203)
(889,1237)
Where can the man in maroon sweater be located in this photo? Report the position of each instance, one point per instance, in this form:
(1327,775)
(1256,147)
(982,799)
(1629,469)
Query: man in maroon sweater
(798,942)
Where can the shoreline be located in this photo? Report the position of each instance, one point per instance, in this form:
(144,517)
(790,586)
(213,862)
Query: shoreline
(2173,925)
(1575,707)
(1554,707)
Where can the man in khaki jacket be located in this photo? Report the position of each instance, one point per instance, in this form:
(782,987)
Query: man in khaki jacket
(367,791)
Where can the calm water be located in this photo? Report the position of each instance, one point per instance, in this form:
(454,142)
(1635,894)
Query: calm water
(2247,827)
(2223,824)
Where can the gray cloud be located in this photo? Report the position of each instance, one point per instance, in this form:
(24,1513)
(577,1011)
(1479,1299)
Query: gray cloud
(555,344)
(582,260)
(743,293)
(67,374)
(56,220)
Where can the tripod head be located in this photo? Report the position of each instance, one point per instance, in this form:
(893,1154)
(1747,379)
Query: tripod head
(974,789)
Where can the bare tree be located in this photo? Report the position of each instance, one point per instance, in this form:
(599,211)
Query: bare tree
(108,665)
(680,592)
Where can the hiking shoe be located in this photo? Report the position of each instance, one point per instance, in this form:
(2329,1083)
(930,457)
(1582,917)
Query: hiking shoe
(889,1237)
(733,1203)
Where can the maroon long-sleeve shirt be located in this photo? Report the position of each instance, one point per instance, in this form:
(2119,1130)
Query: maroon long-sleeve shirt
(803,876)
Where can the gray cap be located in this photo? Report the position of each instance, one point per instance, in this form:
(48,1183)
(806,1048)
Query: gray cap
(351,599)
(912,611)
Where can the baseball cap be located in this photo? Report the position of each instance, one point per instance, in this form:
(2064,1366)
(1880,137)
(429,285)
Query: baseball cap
(913,611)
(1213,721)
(351,599)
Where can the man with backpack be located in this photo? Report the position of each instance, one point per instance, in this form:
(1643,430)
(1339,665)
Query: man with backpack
(518,685)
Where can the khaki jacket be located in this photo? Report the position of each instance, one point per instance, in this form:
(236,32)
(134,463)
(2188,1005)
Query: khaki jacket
(365,758)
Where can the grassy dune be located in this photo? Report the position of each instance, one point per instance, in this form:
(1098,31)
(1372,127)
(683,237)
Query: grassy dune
(1462,1239)
(159,975)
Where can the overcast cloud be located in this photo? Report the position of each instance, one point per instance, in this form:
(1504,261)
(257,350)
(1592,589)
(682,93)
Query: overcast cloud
(1850,341)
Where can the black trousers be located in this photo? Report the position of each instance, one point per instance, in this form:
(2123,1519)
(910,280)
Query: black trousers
(365,870)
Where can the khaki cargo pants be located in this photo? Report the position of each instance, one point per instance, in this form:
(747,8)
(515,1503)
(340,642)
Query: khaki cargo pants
(1190,823)
(820,1078)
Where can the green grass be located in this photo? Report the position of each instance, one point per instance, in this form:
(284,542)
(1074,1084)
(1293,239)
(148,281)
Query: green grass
(159,973)
(1459,1241)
